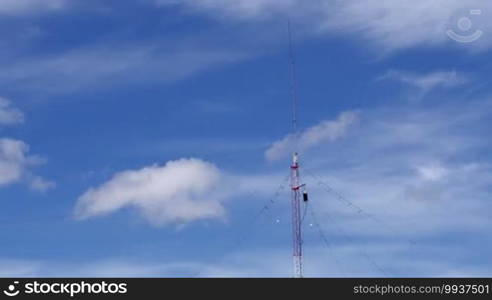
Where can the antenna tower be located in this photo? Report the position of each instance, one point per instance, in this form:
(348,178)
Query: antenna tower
(295,179)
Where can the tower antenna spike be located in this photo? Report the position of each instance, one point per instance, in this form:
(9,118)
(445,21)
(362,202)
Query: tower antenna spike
(292,79)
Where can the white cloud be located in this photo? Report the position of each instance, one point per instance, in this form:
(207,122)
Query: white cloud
(239,9)
(100,268)
(15,165)
(427,81)
(394,25)
(391,25)
(20,7)
(432,172)
(109,64)
(179,192)
(417,169)
(40,184)
(386,24)
(13,160)
(351,260)
(8,114)
(325,131)
(18,268)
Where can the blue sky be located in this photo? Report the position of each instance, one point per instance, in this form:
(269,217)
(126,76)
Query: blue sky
(143,138)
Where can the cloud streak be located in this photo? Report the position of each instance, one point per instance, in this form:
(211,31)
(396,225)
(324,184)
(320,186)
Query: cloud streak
(15,165)
(325,131)
(386,25)
(419,170)
(15,161)
(8,114)
(107,65)
(247,10)
(267,262)
(22,7)
(427,81)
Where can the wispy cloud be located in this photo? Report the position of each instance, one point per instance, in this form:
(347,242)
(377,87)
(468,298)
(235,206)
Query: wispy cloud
(432,172)
(40,184)
(386,25)
(416,169)
(21,7)
(427,81)
(18,268)
(15,160)
(341,260)
(177,193)
(325,131)
(236,9)
(8,114)
(111,64)
(393,25)
(16,164)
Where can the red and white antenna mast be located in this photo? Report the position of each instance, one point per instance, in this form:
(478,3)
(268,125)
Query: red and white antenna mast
(295,180)
(296,215)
